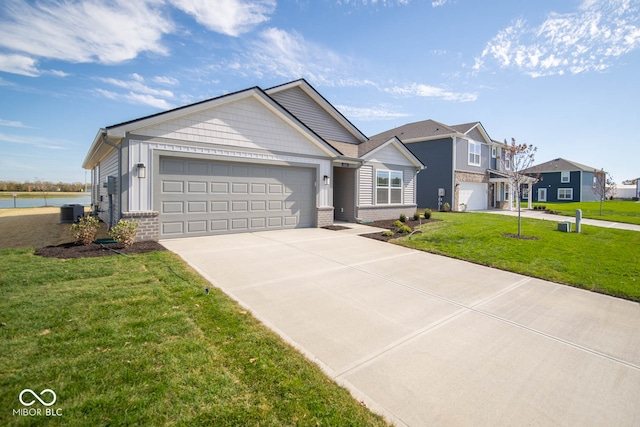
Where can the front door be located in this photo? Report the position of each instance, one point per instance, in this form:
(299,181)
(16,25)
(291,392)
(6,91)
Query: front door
(542,194)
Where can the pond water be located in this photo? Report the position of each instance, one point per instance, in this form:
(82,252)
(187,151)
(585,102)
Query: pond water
(83,199)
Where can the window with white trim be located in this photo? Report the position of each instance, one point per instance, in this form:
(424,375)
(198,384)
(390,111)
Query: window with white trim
(565,193)
(388,187)
(565,177)
(494,152)
(475,149)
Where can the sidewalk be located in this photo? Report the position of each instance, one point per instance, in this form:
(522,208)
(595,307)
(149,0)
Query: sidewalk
(526,213)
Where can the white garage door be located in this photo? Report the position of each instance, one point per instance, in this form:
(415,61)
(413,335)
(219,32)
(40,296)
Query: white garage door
(474,194)
(197,197)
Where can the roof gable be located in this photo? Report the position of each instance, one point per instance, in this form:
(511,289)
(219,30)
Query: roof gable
(304,102)
(113,134)
(559,164)
(394,144)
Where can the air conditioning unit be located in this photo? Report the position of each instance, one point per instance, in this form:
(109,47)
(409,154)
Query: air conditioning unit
(71,213)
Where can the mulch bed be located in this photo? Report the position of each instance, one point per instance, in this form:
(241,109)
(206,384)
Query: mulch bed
(388,224)
(74,250)
(336,227)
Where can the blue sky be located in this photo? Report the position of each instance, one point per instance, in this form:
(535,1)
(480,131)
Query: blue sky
(561,75)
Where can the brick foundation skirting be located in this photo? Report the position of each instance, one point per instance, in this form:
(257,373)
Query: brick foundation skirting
(149,228)
(324,216)
(378,213)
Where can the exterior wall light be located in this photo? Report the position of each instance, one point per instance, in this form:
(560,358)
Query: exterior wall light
(326,180)
(142,170)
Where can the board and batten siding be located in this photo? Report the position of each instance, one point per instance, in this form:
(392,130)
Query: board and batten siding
(313,115)
(109,167)
(409,182)
(365,185)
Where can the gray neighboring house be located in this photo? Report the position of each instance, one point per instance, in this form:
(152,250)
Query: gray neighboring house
(465,167)
(247,161)
(561,180)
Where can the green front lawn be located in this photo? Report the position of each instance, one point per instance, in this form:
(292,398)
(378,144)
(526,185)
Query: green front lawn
(612,210)
(134,340)
(600,259)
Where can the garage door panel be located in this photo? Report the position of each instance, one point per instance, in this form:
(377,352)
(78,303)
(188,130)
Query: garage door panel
(238,198)
(474,195)
(172,228)
(172,207)
(220,188)
(219,225)
(197,207)
(173,186)
(197,187)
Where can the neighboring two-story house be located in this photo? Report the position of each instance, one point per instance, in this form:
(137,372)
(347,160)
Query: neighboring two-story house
(561,180)
(465,167)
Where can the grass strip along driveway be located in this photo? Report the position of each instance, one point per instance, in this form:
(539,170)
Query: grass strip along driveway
(612,210)
(599,259)
(134,340)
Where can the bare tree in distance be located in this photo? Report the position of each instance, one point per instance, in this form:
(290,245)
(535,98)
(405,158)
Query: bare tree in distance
(520,157)
(604,186)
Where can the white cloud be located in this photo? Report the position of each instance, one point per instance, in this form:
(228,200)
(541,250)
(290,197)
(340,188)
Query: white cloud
(422,90)
(589,39)
(439,3)
(11,123)
(289,55)
(138,92)
(368,113)
(230,17)
(19,64)
(137,85)
(375,2)
(36,141)
(83,31)
(164,80)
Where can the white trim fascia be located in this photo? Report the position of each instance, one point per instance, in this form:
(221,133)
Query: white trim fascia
(400,147)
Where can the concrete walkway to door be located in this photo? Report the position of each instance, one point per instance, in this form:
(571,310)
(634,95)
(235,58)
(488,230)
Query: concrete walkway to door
(428,340)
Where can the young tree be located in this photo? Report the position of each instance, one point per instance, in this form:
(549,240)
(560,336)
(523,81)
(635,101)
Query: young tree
(520,158)
(604,186)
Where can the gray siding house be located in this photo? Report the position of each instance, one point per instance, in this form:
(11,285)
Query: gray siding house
(465,167)
(561,180)
(252,160)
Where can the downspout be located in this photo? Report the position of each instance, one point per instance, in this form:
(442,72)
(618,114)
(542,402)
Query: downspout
(118,178)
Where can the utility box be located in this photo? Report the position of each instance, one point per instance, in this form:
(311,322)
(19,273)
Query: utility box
(564,226)
(111,184)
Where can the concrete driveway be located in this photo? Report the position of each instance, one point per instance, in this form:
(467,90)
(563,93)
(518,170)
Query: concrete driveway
(428,340)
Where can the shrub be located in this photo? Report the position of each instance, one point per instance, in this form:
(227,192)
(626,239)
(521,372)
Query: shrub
(397,223)
(85,229)
(405,229)
(446,207)
(387,233)
(416,216)
(403,218)
(427,213)
(635,199)
(124,232)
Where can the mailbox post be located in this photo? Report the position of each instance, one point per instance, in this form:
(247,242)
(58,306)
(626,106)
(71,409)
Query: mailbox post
(578,219)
